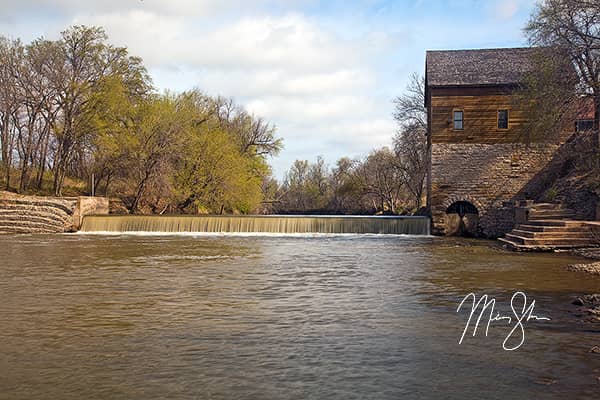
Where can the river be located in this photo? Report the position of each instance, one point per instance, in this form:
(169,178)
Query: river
(283,317)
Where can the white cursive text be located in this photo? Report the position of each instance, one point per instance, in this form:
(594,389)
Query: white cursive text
(522,312)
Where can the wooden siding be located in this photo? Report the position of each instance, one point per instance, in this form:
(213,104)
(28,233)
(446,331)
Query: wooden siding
(480,118)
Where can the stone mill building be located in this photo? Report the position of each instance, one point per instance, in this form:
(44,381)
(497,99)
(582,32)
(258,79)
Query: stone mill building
(478,168)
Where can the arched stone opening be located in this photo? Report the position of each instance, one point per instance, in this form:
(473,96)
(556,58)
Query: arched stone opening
(462,219)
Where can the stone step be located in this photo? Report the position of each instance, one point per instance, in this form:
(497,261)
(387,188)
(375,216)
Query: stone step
(58,212)
(48,213)
(549,226)
(551,216)
(30,222)
(22,203)
(26,229)
(18,219)
(554,211)
(521,247)
(556,242)
(546,206)
(551,212)
(575,233)
(36,214)
(30,227)
(545,228)
(555,222)
(66,205)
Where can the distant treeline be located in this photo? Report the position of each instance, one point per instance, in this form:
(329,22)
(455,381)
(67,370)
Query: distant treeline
(384,182)
(387,181)
(77,107)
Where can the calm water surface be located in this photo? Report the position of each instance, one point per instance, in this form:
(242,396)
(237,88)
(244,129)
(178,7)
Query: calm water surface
(344,317)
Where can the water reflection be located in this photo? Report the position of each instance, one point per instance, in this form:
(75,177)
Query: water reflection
(255,317)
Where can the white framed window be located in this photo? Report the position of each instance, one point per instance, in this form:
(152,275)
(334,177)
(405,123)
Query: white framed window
(458,117)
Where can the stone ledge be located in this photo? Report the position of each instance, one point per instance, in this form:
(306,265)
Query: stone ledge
(39,214)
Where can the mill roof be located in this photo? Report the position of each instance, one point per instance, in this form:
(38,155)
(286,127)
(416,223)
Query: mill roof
(482,67)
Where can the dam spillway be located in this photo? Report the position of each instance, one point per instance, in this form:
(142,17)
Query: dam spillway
(282,224)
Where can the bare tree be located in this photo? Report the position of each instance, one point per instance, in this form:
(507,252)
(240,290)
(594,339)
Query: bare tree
(346,193)
(549,96)
(381,179)
(572,28)
(254,134)
(11,57)
(410,141)
(38,110)
(410,146)
(409,108)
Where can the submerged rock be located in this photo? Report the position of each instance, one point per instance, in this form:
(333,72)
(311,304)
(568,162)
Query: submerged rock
(588,299)
(546,381)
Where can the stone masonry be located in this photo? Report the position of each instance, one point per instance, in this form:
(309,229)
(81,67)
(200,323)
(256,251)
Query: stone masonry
(37,214)
(489,176)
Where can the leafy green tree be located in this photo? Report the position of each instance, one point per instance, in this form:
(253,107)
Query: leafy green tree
(86,61)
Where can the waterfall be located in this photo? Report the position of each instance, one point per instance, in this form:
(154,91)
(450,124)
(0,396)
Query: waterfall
(258,224)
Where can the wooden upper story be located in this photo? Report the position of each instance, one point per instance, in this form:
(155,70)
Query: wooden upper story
(469,95)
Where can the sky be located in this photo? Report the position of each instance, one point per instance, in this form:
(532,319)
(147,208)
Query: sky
(324,73)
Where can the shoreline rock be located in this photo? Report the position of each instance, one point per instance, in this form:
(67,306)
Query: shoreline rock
(589,306)
(592,253)
(591,268)
(22,214)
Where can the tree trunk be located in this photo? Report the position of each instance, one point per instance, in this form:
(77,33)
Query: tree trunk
(42,160)
(138,194)
(597,118)
(55,184)
(6,150)
(7,176)
(24,179)
(108,180)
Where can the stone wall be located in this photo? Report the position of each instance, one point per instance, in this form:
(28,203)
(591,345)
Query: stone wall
(37,214)
(489,176)
(87,205)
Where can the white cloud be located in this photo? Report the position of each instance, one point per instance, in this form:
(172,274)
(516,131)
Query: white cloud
(146,34)
(310,82)
(318,110)
(160,7)
(289,42)
(507,8)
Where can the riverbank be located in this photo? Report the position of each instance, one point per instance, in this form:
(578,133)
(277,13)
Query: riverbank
(592,267)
